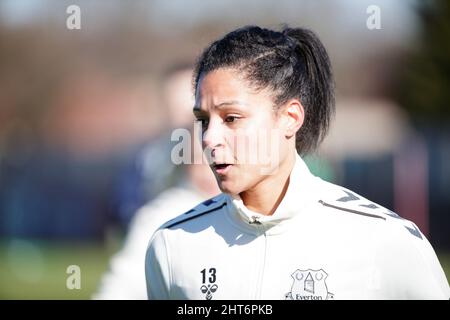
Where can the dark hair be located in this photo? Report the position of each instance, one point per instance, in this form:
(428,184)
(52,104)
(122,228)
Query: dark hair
(292,62)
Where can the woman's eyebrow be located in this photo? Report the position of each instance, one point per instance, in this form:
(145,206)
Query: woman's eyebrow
(197,108)
(229,103)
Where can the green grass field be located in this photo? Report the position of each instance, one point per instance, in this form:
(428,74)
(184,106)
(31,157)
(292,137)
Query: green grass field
(38,270)
(444,258)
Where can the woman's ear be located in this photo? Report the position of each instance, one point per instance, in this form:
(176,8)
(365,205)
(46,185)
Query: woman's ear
(294,114)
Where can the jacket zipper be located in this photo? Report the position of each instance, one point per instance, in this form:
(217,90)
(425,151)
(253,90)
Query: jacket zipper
(262,265)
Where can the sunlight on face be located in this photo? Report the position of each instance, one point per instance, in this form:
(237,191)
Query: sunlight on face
(242,134)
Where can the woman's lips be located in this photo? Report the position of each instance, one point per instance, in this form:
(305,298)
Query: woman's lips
(221,169)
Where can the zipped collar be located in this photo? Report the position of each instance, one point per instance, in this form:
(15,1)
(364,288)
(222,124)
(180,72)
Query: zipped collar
(300,193)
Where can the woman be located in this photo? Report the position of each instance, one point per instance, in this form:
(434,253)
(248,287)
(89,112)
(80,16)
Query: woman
(277,231)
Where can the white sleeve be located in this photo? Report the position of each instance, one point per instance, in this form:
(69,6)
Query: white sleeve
(410,266)
(125,278)
(157,268)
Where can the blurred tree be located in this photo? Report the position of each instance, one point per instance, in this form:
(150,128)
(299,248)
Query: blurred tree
(424,90)
(425,79)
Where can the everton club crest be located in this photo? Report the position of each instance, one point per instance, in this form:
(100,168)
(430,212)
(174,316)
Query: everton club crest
(309,285)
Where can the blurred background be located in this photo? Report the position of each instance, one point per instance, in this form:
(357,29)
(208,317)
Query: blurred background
(84,129)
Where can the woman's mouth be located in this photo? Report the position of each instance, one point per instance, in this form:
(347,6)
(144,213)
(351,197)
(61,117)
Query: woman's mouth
(221,168)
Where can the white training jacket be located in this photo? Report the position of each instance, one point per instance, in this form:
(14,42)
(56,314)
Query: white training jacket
(322,242)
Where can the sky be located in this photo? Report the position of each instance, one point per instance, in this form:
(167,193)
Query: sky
(348,14)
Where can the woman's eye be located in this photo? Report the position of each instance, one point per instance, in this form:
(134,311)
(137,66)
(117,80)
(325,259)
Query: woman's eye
(230,119)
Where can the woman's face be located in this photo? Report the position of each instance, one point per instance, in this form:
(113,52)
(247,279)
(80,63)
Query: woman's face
(243,137)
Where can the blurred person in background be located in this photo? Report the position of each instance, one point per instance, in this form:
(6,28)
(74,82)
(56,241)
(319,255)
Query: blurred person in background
(149,171)
(190,184)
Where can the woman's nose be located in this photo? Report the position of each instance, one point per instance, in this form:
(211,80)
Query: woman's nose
(213,136)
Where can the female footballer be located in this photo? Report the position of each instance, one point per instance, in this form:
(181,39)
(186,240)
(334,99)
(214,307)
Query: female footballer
(264,99)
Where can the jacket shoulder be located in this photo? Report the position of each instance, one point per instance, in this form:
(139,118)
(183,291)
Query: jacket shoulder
(339,199)
(208,206)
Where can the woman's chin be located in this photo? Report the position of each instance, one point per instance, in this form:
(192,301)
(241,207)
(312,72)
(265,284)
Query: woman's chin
(229,188)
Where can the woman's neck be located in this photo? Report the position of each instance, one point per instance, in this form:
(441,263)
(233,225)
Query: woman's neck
(267,195)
